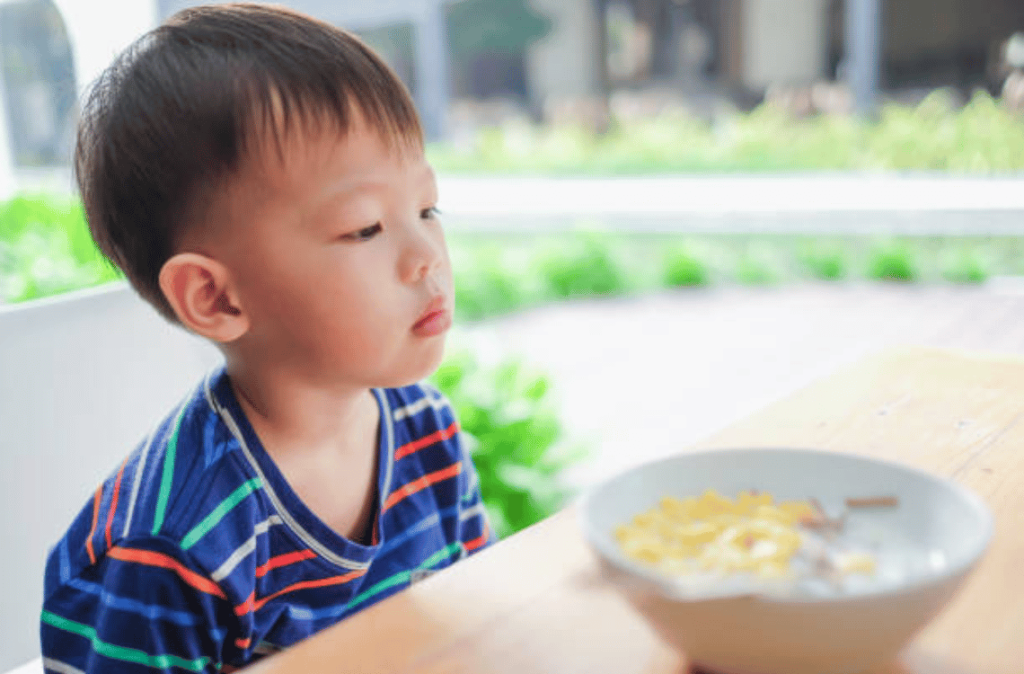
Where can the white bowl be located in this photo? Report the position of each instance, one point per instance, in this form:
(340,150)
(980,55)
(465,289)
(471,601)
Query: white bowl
(935,536)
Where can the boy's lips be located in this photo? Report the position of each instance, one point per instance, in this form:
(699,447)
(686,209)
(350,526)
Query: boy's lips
(435,320)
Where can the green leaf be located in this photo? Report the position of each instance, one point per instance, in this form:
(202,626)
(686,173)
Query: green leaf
(514,437)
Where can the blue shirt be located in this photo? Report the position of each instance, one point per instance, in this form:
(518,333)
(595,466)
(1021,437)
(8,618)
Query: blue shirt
(197,555)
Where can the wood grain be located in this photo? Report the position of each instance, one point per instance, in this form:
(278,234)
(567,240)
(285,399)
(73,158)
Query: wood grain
(535,603)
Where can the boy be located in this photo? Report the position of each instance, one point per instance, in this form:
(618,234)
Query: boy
(259,177)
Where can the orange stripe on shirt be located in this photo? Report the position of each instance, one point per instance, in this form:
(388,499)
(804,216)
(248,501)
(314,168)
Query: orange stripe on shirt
(426,441)
(253,604)
(95,519)
(247,606)
(476,542)
(421,483)
(113,500)
(158,559)
(283,560)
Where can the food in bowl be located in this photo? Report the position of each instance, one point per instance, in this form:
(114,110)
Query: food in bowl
(923,544)
(780,542)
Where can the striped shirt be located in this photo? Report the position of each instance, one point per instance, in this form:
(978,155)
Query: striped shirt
(196,555)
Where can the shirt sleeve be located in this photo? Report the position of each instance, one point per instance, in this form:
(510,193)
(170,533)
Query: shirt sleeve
(142,606)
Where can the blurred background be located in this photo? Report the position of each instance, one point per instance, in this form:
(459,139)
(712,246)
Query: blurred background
(598,63)
(716,174)
(663,214)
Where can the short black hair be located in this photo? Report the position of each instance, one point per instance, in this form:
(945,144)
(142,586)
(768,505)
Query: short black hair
(179,112)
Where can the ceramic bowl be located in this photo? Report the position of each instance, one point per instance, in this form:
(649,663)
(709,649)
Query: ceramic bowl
(926,546)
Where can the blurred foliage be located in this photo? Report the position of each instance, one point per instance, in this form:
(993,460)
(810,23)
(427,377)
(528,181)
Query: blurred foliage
(582,266)
(825,262)
(46,249)
(488,285)
(965,264)
(514,436)
(756,265)
(893,261)
(684,268)
(554,268)
(979,137)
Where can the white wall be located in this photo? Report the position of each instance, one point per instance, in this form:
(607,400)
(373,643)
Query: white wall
(82,379)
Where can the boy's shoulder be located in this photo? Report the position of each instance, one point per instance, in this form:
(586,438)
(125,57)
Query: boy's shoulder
(200,490)
(184,487)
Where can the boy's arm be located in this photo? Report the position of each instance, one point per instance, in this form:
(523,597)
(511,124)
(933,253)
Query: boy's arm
(142,606)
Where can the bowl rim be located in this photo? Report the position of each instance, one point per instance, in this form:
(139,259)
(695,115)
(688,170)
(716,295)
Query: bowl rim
(611,555)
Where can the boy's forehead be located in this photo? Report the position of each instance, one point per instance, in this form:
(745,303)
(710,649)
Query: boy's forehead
(273,149)
(317,164)
(283,171)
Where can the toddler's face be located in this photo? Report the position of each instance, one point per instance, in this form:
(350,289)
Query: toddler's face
(341,261)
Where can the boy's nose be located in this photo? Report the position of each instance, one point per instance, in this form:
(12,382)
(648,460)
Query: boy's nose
(421,258)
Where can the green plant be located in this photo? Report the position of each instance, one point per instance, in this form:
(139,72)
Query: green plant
(514,436)
(582,267)
(980,137)
(823,262)
(683,268)
(756,266)
(485,285)
(46,249)
(965,265)
(892,261)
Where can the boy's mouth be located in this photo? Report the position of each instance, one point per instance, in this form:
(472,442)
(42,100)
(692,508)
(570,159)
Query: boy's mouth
(435,320)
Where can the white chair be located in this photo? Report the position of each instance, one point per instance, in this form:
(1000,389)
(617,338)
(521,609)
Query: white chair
(31,667)
(82,378)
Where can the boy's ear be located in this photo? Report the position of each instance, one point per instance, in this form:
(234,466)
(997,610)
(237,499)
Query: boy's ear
(201,292)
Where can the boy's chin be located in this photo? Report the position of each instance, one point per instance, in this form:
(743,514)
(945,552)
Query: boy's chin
(416,373)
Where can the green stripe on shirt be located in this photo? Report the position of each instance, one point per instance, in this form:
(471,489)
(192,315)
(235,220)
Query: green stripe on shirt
(168,476)
(218,513)
(120,652)
(403,576)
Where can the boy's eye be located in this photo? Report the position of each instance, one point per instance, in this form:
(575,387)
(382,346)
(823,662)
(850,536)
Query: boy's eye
(364,234)
(430,213)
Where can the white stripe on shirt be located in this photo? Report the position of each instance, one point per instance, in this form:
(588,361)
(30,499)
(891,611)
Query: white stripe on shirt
(478,509)
(148,445)
(52,665)
(243,550)
(423,403)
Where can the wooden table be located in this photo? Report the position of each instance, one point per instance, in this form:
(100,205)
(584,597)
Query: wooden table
(536,604)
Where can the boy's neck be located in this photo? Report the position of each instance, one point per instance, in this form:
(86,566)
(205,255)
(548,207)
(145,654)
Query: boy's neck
(324,441)
(292,415)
